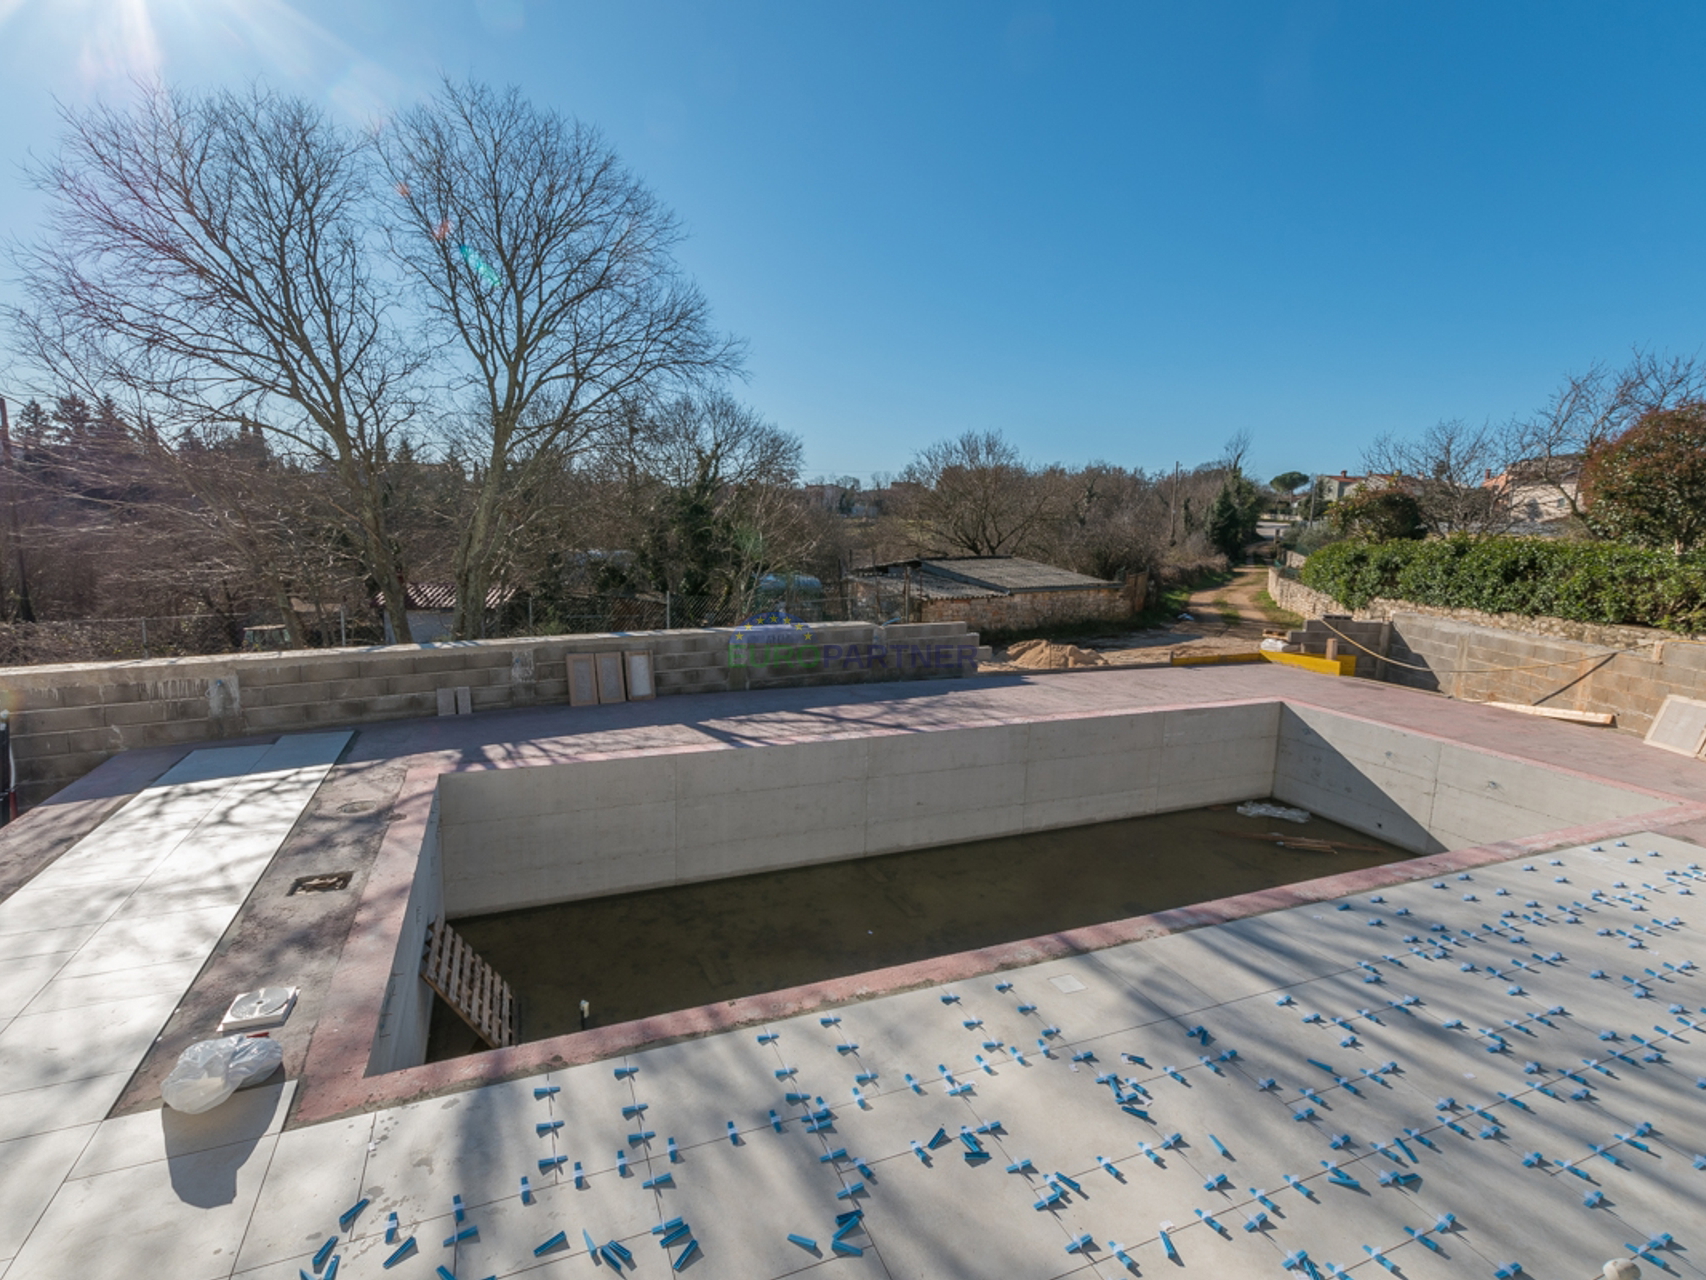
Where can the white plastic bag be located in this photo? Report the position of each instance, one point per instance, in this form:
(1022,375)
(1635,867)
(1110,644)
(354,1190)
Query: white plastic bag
(209,1071)
(1263,809)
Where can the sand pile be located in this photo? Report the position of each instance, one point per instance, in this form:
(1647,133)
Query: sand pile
(1045,655)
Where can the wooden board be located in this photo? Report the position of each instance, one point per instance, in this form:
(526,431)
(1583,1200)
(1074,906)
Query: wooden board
(583,680)
(639,667)
(610,686)
(469,985)
(1558,713)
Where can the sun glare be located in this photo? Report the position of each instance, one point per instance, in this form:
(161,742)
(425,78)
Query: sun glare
(113,43)
(119,43)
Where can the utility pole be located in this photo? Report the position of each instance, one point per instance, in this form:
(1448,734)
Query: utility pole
(22,610)
(6,463)
(1172,508)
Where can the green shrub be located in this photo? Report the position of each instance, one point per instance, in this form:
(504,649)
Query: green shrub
(1599,582)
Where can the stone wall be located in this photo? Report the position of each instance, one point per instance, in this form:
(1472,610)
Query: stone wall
(67,719)
(1484,657)
(1292,596)
(1032,610)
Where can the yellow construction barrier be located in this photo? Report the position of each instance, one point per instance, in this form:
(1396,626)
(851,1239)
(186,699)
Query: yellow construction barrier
(1343,665)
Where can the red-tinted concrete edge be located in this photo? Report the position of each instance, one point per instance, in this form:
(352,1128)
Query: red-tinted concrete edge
(335,1071)
(334,1081)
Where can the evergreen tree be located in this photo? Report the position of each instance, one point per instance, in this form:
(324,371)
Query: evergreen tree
(1232,518)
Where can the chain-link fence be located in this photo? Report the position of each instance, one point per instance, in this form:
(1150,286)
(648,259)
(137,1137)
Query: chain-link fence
(173,636)
(120,639)
(666,611)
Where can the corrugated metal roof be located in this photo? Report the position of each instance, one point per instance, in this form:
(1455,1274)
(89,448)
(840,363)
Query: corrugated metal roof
(925,585)
(1011,573)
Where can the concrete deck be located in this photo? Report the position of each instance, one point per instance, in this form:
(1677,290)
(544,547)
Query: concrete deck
(1578,963)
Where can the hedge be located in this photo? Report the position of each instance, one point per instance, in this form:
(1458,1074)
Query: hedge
(1602,582)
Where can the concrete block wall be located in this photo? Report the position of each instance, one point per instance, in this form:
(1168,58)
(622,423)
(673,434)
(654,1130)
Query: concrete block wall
(1367,642)
(67,719)
(524,837)
(1492,664)
(1480,657)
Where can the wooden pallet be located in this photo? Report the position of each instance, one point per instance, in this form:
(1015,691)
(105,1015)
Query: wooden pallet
(469,985)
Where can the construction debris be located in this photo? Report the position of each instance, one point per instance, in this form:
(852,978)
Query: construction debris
(1046,655)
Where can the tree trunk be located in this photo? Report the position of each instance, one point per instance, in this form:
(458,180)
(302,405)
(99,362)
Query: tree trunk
(381,557)
(473,554)
(292,623)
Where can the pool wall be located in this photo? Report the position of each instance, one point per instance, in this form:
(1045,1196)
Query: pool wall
(527,837)
(405,1017)
(1428,794)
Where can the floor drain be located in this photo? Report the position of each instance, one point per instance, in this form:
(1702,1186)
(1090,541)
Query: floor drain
(326,883)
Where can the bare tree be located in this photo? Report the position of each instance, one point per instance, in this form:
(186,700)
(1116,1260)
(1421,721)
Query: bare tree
(976,496)
(1116,522)
(1235,451)
(206,259)
(1448,468)
(710,490)
(549,267)
(1592,408)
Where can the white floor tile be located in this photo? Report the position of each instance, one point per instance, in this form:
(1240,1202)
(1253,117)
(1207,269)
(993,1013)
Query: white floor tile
(315,1175)
(123,984)
(212,764)
(164,1134)
(475,1144)
(23,977)
(37,942)
(31,1170)
(60,1106)
(124,944)
(65,874)
(31,910)
(178,900)
(74,1044)
(184,1217)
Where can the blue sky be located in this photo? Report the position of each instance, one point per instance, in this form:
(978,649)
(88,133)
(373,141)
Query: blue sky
(1110,230)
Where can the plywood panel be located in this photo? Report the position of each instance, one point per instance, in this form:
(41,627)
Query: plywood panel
(639,664)
(610,686)
(1680,726)
(583,680)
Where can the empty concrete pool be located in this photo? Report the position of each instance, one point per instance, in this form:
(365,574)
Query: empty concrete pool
(692,879)
(633,955)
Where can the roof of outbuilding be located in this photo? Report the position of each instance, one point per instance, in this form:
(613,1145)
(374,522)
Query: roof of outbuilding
(1011,573)
(969,577)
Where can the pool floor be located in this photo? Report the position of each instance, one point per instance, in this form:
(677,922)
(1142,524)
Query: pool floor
(633,955)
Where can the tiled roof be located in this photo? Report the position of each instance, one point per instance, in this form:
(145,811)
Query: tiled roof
(442,595)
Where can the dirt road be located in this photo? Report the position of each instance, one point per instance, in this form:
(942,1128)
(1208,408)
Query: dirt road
(1222,619)
(1231,610)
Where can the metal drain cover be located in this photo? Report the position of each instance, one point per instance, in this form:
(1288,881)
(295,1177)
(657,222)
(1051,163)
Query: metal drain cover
(326,882)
